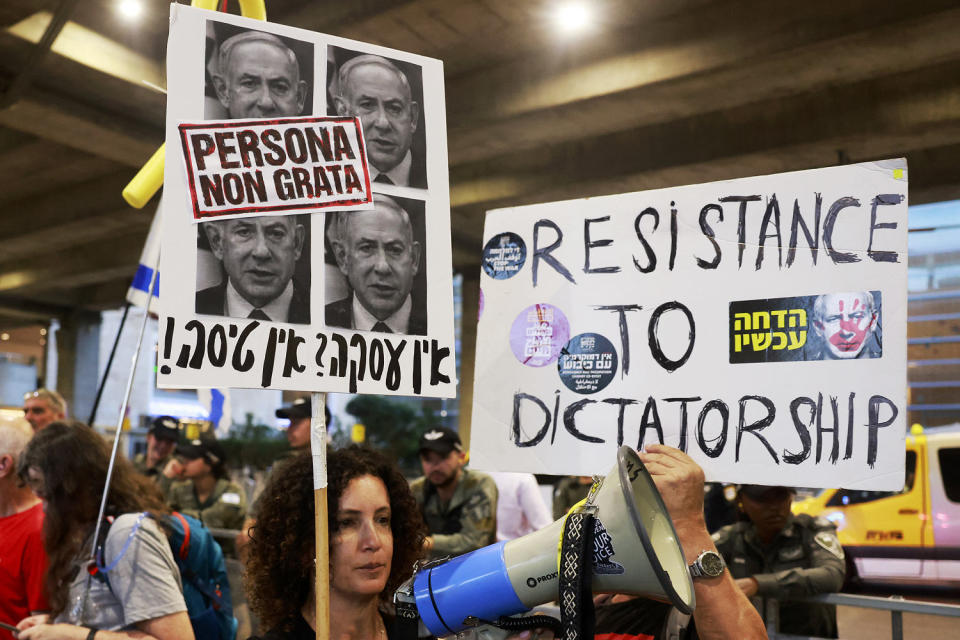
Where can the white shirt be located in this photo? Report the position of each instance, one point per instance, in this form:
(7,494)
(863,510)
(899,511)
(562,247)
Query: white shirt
(278,310)
(363,320)
(520,507)
(400,174)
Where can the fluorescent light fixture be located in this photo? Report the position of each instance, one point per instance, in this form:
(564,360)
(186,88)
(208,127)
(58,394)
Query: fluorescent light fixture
(572,17)
(130,9)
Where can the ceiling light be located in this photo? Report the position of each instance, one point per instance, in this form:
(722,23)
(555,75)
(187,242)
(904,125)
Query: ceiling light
(572,17)
(43,331)
(130,8)
(4,336)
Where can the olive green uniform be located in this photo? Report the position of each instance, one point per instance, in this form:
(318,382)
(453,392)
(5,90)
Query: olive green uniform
(224,508)
(467,522)
(804,559)
(156,473)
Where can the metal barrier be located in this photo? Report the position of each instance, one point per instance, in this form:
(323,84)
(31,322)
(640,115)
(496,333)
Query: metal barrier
(896,605)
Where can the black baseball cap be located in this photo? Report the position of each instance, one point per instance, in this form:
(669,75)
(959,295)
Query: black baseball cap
(299,408)
(440,439)
(205,448)
(764,493)
(165,428)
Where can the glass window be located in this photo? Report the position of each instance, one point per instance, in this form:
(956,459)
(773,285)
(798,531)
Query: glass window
(950,472)
(845,497)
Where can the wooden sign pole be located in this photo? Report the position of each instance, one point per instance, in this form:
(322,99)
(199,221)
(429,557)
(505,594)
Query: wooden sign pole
(318,448)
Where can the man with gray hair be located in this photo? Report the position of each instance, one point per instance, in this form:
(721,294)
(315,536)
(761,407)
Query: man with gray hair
(377,253)
(848,325)
(22,558)
(259,257)
(43,406)
(258,77)
(375,90)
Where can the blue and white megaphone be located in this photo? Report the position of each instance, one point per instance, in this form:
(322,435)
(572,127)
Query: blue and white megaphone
(640,557)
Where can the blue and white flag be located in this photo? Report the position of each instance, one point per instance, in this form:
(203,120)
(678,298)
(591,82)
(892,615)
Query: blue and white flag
(217,404)
(149,259)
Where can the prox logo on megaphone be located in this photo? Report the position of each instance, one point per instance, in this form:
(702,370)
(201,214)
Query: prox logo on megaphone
(635,552)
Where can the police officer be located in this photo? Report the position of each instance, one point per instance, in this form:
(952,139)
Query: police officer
(458,505)
(161,440)
(775,554)
(206,493)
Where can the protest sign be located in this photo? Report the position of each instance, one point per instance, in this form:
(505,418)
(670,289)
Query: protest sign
(758,324)
(280,271)
(285,165)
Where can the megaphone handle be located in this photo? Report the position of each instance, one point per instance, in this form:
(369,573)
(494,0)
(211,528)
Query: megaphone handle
(576,575)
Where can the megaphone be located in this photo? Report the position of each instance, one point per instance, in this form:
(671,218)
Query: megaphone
(635,552)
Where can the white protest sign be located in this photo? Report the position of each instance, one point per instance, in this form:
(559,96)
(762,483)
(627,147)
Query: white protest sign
(288,165)
(759,324)
(339,294)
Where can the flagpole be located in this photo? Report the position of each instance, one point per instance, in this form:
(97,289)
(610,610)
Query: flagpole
(123,410)
(106,372)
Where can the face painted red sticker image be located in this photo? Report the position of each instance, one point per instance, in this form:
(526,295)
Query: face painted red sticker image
(846,322)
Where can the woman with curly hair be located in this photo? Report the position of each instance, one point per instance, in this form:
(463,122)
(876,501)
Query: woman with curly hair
(134,589)
(376,535)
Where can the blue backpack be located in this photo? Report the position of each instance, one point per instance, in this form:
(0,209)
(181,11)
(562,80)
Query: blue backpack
(203,573)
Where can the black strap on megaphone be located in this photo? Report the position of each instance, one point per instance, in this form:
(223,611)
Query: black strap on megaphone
(576,577)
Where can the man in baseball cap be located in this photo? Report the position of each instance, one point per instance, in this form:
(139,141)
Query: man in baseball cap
(458,505)
(299,413)
(161,439)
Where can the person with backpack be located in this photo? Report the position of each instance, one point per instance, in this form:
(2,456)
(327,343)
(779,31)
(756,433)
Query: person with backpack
(133,586)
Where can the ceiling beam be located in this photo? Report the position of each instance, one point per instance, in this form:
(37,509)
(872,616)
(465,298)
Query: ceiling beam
(683,71)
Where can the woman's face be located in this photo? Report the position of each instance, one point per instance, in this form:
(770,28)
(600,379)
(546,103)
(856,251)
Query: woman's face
(362,547)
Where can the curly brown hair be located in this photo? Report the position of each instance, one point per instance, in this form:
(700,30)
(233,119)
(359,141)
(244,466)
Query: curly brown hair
(279,571)
(73,459)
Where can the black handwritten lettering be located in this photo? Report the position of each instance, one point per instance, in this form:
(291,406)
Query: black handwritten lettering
(720,407)
(803,428)
(589,244)
(742,222)
(651,256)
(544,253)
(570,419)
(515,427)
(622,403)
(710,235)
(650,419)
(874,424)
(682,445)
(798,224)
(883,199)
(772,213)
(838,257)
(621,310)
(654,340)
(755,427)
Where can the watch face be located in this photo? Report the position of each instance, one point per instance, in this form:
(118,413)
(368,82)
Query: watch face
(712,564)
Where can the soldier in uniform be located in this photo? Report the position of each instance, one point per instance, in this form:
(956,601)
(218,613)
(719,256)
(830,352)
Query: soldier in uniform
(775,554)
(207,493)
(161,440)
(458,505)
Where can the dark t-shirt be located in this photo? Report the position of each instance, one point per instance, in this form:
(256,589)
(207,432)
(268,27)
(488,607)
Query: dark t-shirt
(637,619)
(298,629)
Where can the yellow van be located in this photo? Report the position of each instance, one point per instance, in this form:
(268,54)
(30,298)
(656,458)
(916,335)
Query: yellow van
(911,535)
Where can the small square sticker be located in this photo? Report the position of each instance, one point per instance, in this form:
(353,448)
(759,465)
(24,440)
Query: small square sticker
(898,174)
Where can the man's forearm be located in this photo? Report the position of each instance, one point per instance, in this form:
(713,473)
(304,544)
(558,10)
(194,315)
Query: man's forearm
(723,612)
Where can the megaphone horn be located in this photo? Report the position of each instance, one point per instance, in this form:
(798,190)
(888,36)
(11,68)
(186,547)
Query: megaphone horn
(636,552)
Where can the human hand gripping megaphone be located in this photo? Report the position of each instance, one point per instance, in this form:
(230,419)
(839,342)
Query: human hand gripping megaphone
(635,552)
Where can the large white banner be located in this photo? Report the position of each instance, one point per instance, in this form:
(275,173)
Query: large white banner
(758,324)
(279,272)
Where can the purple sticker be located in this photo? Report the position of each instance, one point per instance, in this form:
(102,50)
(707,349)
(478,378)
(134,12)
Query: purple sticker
(480,306)
(538,334)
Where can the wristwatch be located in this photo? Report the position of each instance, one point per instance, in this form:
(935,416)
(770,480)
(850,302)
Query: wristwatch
(709,564)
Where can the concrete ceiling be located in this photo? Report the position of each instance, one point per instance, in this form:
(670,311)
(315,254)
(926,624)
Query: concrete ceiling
(654,94)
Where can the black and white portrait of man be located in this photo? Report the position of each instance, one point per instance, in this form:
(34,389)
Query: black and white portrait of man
(387,96)
(380,253)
